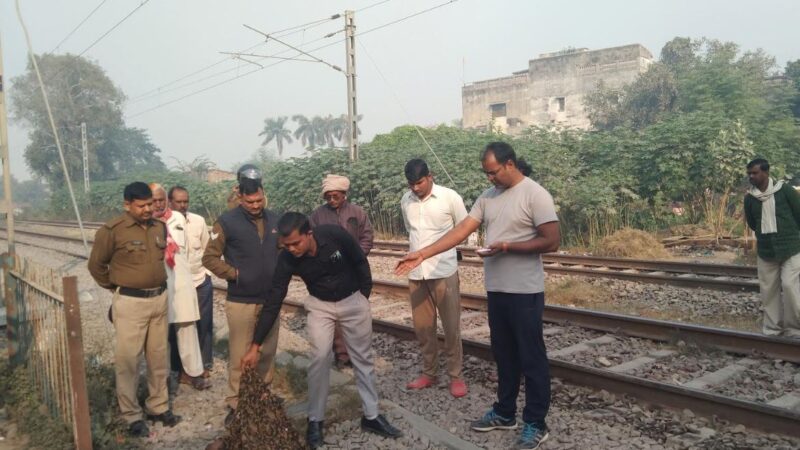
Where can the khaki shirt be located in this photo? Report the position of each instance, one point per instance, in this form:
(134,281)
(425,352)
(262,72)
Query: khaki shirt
(126,254)
(212,257)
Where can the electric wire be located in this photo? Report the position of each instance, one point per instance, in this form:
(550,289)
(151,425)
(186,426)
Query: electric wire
(281,33)
(32,56)
(228,80)
(408,115)
(78,26)
(103,36)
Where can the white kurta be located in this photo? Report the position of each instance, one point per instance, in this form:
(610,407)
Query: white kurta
(182,295)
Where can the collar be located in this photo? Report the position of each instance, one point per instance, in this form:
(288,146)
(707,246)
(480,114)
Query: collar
(342,206)
(436,191)
(130,221)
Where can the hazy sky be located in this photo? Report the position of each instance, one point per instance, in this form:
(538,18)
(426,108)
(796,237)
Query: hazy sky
(425,59)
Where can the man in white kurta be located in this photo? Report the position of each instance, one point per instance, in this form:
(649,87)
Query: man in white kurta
(182,307)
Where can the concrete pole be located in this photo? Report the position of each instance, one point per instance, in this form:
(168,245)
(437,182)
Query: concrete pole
(352,110)
(85,147)
(5,161)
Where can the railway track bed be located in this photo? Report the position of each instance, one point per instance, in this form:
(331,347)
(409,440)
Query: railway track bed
(607,413)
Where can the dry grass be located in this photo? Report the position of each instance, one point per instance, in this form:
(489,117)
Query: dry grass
(576,292)
(690,230)
(630,243)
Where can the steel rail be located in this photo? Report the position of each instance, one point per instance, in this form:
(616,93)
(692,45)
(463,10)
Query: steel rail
(725,270)
(733,341)
(756,415)
(599,270)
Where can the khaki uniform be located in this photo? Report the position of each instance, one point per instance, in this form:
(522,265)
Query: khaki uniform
(242,318)
(128,258)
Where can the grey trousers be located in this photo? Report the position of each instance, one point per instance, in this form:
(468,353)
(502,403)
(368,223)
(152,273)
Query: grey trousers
(780,295)
(353,315)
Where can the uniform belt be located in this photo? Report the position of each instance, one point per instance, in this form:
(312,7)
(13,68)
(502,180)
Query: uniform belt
(142,293)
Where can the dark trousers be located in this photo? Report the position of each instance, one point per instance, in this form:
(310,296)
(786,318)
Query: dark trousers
(174,355)
(205,326)
(515,324)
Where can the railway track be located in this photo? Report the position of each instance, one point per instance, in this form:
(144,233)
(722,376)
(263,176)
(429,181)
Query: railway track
(594,330)
(697,395)
(725,277)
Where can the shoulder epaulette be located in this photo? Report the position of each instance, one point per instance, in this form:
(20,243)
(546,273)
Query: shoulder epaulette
(114,222)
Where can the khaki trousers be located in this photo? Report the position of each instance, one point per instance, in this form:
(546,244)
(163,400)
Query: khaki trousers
(141,325)
(781,315)
(242,318)
(427,298)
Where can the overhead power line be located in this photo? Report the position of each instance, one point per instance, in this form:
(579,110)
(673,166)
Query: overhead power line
(103,36)
(78,26)
(228,80)
(280,33)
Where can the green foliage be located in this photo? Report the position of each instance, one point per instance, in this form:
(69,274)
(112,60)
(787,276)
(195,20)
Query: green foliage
(79,91)
(105,198)
(28,194)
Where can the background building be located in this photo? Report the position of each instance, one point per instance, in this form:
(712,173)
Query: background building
(552,89)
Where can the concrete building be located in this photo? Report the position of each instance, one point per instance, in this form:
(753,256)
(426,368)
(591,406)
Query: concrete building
(551,89)
(217,175)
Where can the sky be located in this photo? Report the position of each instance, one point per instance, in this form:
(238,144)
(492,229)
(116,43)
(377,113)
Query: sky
(407,72)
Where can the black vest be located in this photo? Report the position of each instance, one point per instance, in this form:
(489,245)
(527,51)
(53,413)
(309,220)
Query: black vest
(253,257)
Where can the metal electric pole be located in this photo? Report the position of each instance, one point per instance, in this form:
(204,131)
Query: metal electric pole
(85,147)
(352,110)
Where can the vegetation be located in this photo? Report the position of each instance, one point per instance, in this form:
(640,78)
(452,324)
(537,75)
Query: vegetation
(675,139)
(79,91)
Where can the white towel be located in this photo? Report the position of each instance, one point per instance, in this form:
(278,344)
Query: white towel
(767,198)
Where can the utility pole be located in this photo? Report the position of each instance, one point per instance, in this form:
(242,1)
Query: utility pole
(85,147)
(8,204)
(352,110)
(8,262)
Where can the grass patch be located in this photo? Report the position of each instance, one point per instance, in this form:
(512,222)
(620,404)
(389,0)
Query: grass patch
(630,243)
(576,292)
(19,395)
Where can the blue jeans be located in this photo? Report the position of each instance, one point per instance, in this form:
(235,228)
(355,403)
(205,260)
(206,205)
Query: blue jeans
(515,324)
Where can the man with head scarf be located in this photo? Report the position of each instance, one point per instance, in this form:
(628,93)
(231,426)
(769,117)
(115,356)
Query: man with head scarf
(772,210)
(338,211)
(182,307)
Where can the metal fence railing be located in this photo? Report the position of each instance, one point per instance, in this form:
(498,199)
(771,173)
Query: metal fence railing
(44,335)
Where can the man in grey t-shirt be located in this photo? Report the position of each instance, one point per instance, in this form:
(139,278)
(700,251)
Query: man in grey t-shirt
(521,224)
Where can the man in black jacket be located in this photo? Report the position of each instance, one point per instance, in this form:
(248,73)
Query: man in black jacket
(246,236)
(337,276)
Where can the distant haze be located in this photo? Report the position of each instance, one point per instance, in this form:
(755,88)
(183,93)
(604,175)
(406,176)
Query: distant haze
(426,59)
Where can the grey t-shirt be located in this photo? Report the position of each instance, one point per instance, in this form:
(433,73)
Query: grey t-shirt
(512,215)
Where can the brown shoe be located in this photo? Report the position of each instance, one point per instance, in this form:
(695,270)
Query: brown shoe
(198,383)
(206,374)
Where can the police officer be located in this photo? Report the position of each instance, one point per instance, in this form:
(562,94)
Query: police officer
(249,172)
(128,259)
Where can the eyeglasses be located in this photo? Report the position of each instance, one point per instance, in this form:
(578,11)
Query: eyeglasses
(491,173)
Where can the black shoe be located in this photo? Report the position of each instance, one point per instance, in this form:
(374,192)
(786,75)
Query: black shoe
(314,436)
(138,429)
(168,419)
(229,418)
(380,426)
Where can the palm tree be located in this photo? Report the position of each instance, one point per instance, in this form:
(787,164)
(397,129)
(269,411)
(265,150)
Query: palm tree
(342,127)
(275,129)
(305,132)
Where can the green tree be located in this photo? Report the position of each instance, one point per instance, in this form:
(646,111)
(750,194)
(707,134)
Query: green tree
(79,91)
(275,129)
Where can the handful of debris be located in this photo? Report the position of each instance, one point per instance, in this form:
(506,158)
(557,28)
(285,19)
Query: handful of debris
(260,422)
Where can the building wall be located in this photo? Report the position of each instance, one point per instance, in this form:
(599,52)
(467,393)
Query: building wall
(552,90)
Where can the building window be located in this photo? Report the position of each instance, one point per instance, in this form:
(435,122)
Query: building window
(498,110)
(561,103)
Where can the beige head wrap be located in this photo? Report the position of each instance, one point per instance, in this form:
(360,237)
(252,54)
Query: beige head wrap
(335,183)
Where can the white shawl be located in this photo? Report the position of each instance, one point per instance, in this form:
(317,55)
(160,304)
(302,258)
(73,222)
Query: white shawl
(767,198)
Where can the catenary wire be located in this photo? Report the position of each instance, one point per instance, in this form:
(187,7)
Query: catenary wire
(78,26)
(228,80)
